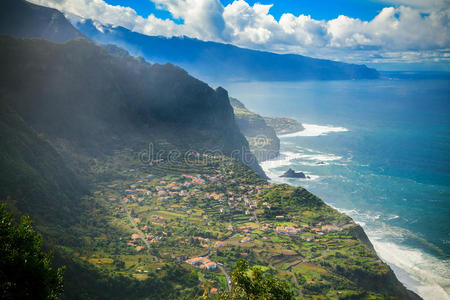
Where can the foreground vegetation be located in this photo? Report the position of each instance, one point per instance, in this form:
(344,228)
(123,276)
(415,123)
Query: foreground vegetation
(25,270)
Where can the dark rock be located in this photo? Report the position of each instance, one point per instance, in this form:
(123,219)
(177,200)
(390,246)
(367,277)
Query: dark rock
(292,174)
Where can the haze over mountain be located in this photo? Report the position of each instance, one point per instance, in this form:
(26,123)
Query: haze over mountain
(216,61)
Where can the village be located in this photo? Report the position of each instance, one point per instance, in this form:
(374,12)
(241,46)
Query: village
(209,220)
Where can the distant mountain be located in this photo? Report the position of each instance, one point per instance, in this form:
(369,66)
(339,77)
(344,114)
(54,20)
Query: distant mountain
(216,61)
(23,19)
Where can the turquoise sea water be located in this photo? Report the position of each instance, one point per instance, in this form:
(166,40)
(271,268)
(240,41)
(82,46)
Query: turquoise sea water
(381,155)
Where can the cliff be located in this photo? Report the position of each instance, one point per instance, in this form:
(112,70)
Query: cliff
(262,138)
(80,94)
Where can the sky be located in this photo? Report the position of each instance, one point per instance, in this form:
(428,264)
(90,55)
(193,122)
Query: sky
(386,34)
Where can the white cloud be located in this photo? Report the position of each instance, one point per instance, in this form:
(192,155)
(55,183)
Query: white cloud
(203,18)
(126,17)
(419,30)
(422,4)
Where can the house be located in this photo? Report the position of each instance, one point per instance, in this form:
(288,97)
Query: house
(330,228)
(210,266)
(135,236)
(243,255)
(162,193)
(213,291)
(156,217)
(245,228)
(219,244)
(139,248)
(288,230)
(202,262)
(279,217)
(246,239)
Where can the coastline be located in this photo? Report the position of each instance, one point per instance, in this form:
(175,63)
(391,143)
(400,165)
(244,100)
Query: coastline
(389,252)
(314,130)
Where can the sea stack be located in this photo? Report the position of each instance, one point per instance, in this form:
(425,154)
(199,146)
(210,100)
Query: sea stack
(292,174)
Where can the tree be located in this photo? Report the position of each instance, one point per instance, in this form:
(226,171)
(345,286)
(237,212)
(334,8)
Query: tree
(251,284)
(25,270)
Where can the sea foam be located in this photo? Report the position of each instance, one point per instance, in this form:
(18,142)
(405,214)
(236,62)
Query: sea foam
(315,130)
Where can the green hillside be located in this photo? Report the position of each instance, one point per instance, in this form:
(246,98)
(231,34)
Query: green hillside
(133,174)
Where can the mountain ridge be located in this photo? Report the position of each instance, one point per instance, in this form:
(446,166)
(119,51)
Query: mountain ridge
(204,59)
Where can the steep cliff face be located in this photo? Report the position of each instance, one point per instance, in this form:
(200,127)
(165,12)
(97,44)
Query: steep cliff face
(80,94)
(262,138)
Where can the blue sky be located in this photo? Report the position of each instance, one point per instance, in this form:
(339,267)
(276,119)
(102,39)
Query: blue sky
(391,34)
(318,9)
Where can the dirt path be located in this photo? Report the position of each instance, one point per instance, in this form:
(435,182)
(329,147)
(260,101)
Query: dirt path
(256,219)
(296,284)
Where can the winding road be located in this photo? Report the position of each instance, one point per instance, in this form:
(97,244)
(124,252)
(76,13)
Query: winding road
(227,277)
(139,232)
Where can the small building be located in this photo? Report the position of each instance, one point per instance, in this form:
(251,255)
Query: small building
(219,244)
(288,230)
(330,228)
(210,266)
(246,239)
(202,262)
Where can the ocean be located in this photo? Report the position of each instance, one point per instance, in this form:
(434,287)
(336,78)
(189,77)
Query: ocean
(379,151)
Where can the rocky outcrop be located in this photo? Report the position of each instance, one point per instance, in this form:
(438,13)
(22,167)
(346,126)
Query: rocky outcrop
(292,174)
(284,125)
